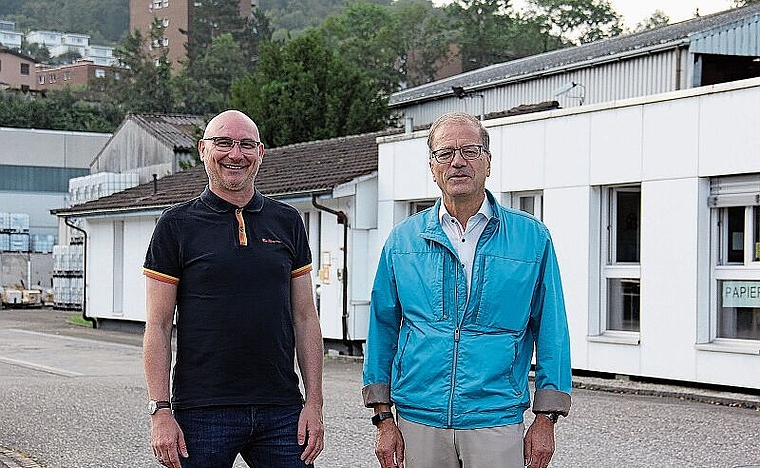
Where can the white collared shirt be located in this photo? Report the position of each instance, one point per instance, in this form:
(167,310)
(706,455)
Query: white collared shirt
(465,239)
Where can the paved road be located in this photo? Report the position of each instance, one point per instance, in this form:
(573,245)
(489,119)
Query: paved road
(74,397)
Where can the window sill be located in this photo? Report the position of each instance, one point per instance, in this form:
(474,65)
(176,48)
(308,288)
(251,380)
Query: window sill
(731,346)
(616,337)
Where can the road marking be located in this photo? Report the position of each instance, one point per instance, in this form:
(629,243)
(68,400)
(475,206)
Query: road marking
(40,367)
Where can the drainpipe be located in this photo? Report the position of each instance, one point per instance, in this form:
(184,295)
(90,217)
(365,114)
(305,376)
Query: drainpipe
(84,274)
(342,219)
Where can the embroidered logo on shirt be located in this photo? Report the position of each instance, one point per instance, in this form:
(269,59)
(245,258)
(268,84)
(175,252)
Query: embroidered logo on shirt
(270,241)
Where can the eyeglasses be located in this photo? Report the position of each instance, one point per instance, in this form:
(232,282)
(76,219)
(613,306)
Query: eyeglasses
(225,144)
(468,152)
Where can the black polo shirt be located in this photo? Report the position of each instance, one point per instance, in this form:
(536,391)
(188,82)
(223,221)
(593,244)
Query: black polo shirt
(232,268)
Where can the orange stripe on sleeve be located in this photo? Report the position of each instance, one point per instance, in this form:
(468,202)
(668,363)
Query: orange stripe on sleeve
(300,271)
(160,276)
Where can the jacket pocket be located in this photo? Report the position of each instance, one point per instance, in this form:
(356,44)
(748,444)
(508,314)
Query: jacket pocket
(419,276)
(506,292)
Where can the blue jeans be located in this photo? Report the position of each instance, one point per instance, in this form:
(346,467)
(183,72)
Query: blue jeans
(265,436)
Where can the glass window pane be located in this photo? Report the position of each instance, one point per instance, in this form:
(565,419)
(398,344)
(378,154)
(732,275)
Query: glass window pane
(623,304)
(739,309)
(628,226)
(735,237)
(528,205)
(756,215)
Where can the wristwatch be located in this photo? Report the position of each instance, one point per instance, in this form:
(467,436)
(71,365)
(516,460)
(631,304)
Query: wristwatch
(154,406)
(381,416)
(551,416)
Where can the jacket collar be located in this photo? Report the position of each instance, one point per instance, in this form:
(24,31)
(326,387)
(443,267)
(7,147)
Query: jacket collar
(434,231)
(220,205)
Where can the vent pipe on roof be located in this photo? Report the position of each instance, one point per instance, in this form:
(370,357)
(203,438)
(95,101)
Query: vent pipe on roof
(155,184)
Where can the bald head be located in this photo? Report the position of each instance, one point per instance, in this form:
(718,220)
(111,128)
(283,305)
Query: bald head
(228,118)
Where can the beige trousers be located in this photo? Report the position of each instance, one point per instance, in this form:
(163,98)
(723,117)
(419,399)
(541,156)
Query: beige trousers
(491,447)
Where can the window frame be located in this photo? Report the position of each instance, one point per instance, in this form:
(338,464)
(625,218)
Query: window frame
(722,270)
(611,269)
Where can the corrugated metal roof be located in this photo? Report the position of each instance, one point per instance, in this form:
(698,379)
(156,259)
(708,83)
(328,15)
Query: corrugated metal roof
(572,57)
(176,130)
(289,170)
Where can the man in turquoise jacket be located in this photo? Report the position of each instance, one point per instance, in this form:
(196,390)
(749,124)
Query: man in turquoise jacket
(464,292)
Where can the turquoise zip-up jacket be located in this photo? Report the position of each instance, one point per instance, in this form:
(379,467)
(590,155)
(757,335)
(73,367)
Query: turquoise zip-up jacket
(449,362)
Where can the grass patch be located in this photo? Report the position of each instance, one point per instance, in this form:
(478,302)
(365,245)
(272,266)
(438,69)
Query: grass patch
(78,320)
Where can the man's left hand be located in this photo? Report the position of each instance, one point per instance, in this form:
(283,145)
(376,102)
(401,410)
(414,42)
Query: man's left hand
(539,443)
(311,431)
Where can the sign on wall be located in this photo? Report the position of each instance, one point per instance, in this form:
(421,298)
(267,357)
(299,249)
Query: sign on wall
(741,293)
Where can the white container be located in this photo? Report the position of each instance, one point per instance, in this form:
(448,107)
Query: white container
(19,222)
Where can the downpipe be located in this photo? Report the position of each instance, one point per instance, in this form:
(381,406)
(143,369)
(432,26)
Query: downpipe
(84,274)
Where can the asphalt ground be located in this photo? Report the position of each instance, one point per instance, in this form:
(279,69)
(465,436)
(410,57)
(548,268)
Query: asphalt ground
(74,397)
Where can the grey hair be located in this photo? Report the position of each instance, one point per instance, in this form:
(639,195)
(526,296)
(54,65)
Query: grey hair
(459,117)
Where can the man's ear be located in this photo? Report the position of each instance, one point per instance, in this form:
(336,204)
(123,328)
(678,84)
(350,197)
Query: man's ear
(201,147)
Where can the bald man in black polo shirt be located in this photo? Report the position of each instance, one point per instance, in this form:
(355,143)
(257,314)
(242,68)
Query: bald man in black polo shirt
(236,264)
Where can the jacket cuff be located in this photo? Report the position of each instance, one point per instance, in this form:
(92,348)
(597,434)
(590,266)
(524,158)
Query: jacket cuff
(376,394)
(551,401)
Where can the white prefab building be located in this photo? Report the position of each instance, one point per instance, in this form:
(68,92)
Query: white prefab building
(654,207)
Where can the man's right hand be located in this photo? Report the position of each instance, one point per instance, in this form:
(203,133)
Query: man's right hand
(389,445)
(167,439)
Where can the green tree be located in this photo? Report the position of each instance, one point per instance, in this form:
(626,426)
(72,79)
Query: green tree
(422,40)
(145,84)
(213,18)
(578,21)
(57,110)
(364,35)
(491,31)
(204,86)
(37,51)
(302,91)
(655,20)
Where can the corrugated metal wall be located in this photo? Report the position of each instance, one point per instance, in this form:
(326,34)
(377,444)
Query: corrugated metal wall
(739,38)
(640,76)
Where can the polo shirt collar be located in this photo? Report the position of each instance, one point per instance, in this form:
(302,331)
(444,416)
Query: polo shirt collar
(221,205)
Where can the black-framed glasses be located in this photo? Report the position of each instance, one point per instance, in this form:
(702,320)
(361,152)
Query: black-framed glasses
(225,144)
(468,152)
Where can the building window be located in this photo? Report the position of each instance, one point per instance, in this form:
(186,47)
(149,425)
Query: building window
(25,69)
(100,73)
(530,202)
(52,78)
(165,41)
(66,75)
(156,4)
(621,270)
(165,22)
(41,79)
(417,206)
(735,225)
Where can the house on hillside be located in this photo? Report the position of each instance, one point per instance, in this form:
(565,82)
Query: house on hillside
(702,51)
(150,144)
(16,70)
(330,182)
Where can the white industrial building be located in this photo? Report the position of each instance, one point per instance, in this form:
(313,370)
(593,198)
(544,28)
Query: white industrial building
(653,201)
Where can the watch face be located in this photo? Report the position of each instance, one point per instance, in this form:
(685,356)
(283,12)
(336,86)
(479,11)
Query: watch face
(152,407)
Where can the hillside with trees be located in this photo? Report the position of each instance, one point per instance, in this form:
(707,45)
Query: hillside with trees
(320,78)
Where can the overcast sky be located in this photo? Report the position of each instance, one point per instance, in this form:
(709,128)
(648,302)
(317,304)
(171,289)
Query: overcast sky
(634,11)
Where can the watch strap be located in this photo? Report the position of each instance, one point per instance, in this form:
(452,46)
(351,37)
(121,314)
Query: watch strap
(381,416)
(552,416)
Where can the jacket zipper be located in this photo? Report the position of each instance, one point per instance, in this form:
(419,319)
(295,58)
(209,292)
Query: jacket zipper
(450,416)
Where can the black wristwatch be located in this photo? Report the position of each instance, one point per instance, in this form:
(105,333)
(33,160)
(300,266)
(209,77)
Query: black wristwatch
(154,406)
(381,416)
(552,416)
